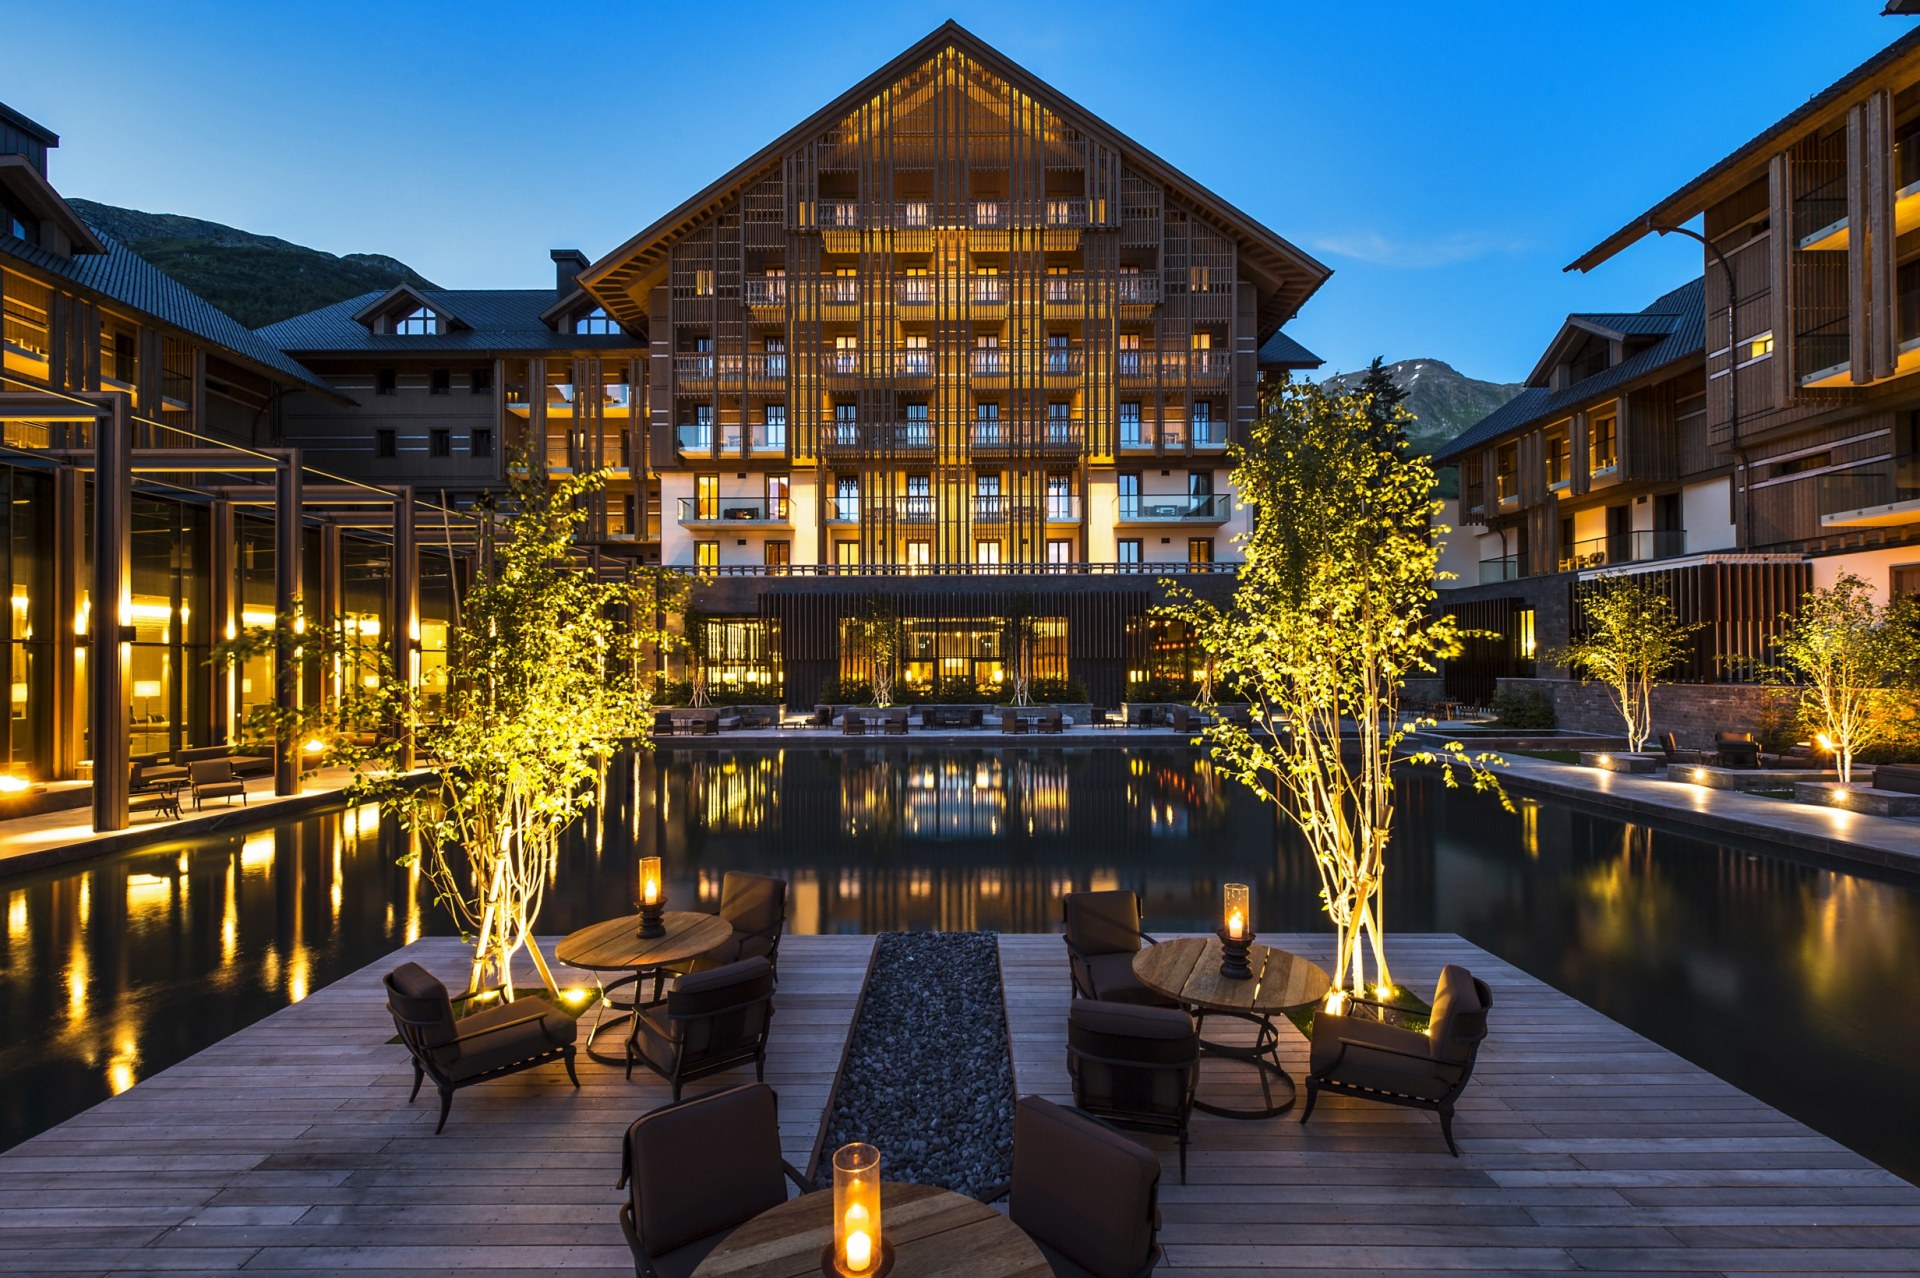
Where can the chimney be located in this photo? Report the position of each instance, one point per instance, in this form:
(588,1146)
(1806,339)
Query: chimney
(567,265)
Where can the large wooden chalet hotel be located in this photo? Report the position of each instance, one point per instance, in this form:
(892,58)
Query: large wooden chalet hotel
(952,341)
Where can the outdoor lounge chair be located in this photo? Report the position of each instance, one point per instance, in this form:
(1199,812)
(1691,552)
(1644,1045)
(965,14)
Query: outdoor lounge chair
(756,906)
(1086,1195)
(215,779)
(1904,778)
(697,1170)
(822,717)
(1356,1055)
(1135,1066)
(1737,749)
(1670,750)
(711,1021)
(1011,722)
(852,724)
(894,721)
(492,1043)
(1102,935)
(1051,721)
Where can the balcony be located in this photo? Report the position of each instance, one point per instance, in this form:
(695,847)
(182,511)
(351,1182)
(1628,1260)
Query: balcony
(912,365)
(1640,547)
(768,291)
(1820,217)
(838,215)
(1882,494)
(767,369)
(842,438)
(1825,351)
(616,400)
(694,437)
(1209,367)
(1209,434)
(734,511)
(1137,289)
(913,510)
(987,362)
(841,365)
(841,290)
(842,510)
(914,291)
(987,290)
(767,441)
(1063,291)
(1174,508)
(701,369)
(1496,570)
(1136,436)
(1063,508)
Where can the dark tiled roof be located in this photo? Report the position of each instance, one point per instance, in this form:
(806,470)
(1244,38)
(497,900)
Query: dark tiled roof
(127,278)
(498,319)
(1281,351)
(1636,324)
(1681,315)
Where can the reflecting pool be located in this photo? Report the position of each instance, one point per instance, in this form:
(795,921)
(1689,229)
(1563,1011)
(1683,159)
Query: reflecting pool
(1787,978)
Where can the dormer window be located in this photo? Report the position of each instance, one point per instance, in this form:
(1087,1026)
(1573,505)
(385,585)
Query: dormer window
(596,322)
(420,322)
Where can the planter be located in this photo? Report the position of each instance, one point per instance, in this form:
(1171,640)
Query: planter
(1621,761)
(1857,798)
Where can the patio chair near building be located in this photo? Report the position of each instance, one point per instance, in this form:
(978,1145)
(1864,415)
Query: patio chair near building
(1671,752)
(489,1044)
(1737,749)
(1102,935)
(697,1170)
(1359,1054)
(712,1021)
(1086,1195)
(1135,1066)
(215,779)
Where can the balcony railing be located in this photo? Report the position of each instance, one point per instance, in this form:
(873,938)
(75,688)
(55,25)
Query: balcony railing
(841,363)
(1015,568)
(914,290)
(841,290)
(989,433)
(1209,366)
(1138,290)
(767,366)
(842,510)
(1883,483)
(1639,547)
(693,437)
(844,214)
(767,439)
(734,510)
(988,290)
(1506,568)
(914,434)
(1063,289)
(1175,508)
(769,290)
(913,510)
(990,362)
(913,363)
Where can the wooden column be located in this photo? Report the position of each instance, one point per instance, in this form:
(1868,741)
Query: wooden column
(404,616)
(286,599)
(327,608)
(110,714)
(69,565)
(223,581)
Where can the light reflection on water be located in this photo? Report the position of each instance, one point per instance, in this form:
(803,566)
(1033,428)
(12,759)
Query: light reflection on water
(1750,964)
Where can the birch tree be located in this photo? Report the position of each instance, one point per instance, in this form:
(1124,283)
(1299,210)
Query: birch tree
(1853,663)
(1634,638)
(1332,610)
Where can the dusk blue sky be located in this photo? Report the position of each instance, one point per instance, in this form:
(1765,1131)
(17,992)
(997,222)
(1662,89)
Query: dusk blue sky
(1445,159)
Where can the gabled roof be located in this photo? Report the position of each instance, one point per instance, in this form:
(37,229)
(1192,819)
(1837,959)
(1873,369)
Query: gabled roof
(1681,314)
(1580,328)
(19,175)
(1281,351)
(32,128)
(1898,61)
(121,275)
(1296,274)
(413,299)
(498,320)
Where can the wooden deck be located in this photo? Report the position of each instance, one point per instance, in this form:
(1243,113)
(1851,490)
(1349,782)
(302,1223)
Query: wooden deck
(290,1147)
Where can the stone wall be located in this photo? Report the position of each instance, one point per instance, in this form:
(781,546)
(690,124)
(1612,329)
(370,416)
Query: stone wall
(1691,711)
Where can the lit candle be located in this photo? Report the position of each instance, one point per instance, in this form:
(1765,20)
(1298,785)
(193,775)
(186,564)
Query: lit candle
(859,1240)
(1237,911)
(649,880)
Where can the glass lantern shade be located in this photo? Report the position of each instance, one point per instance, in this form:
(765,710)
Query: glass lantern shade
(856,1209)
(1236,917)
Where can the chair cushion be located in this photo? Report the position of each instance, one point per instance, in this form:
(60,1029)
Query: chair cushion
(1150,1037)
(474,1056)
(1061,1264)
(1459,1019)
(1113,981)
(414,995)
(702,1168)
(753,903)
(1103,922)
(720,987)
(1356,1066)
(1082,1190)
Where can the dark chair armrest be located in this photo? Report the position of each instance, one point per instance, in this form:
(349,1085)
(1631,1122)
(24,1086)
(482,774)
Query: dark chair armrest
(994,1193)
(1345,1043)
(1148,939)
(492,1029)
(793,1174)
(473,994)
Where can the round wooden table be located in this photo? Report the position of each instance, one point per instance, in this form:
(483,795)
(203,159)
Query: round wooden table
(1188,972)
(934,1233)
(617,946)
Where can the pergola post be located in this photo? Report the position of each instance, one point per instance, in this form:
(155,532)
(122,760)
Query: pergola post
(287,558)
(223,578)
(68,648)
(111,709)
(329,610)
(405,621)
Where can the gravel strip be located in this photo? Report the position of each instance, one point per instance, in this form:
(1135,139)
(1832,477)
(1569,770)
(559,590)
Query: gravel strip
(927,1077)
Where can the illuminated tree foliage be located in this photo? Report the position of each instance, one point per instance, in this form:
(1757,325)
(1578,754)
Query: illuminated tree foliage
(1331,612)
(1854,663)
(1633,639)
(880,630)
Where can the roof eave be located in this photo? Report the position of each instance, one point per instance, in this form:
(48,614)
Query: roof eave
(1736,169)
(18,173)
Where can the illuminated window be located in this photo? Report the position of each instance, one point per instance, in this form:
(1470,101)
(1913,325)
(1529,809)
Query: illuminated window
(1559,452)
(706,496)
(421,322)
(1524,633)
(919,555)
(986,552)
(1129,549)
(1060,553)
(846,554)
(596,322)
(1760,347)
(778,554)
(1506,473)
(1199,550)
(706,555)
(1603,445)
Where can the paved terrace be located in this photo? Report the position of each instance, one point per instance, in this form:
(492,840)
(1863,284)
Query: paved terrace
(290,1148)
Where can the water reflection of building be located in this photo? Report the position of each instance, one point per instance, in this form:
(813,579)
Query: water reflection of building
(736,792)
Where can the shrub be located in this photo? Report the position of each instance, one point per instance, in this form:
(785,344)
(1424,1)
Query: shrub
(1523,709)
(1057,691)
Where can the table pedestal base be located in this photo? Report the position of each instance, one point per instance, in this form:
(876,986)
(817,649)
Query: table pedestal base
(1276,1085)
(625,1013)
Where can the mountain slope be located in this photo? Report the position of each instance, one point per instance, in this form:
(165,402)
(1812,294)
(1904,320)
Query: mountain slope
(1443,400)
(257,279)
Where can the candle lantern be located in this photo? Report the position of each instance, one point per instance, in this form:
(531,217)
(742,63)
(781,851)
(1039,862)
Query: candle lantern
(653,898)
(858,1247)
(1236,933)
